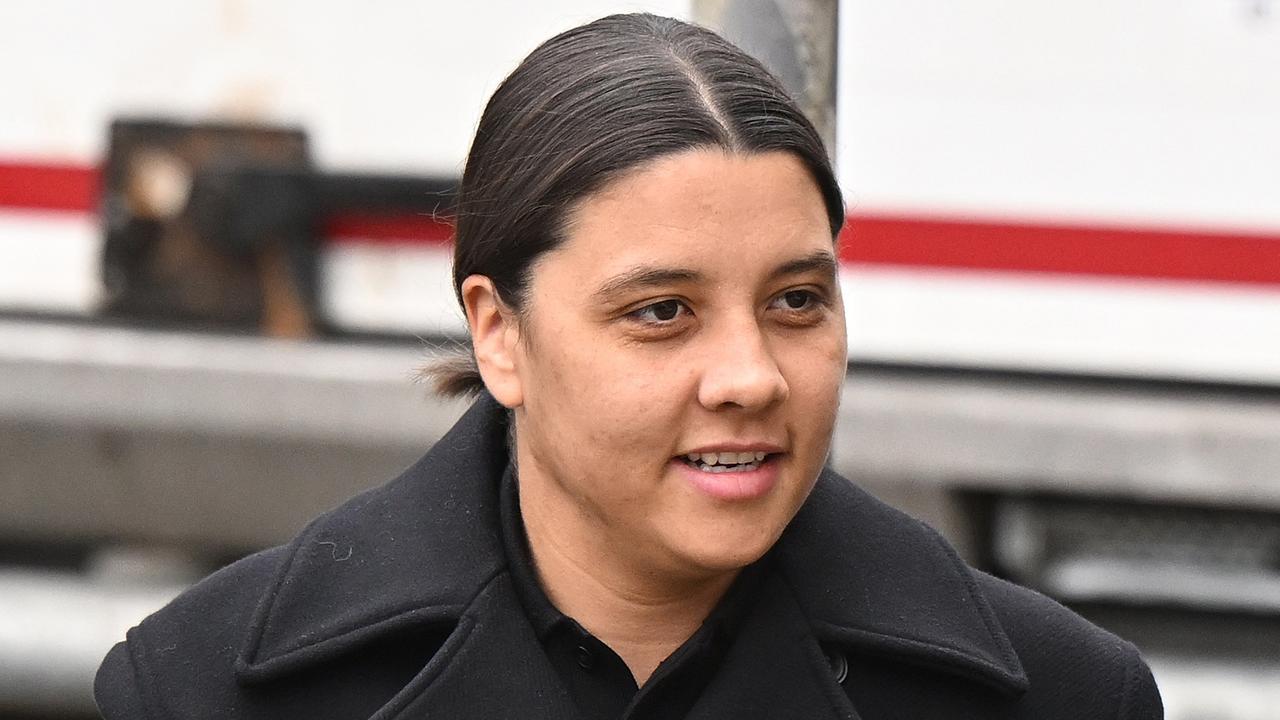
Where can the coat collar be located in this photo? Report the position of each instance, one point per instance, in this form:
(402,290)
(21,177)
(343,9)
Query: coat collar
(873,578)
(414,551)
(426,547)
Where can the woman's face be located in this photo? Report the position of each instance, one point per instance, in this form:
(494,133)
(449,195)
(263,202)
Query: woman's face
(693,311)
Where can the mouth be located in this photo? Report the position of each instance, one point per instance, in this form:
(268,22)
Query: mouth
(733,475)
(726,462)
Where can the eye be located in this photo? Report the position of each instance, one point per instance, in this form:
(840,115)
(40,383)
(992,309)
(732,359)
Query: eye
(660,312)
(795,300)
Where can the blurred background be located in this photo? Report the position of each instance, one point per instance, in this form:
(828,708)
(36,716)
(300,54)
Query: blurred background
(224,251)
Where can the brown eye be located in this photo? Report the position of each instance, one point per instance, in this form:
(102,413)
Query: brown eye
(798,306)
(666,310)
(797,299)
(660,312)
(794,300)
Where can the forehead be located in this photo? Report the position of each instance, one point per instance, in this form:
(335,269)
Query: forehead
(698,205)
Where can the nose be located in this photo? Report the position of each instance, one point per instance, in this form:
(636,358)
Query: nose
(741,371)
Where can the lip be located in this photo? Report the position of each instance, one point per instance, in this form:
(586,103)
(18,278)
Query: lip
(733,486)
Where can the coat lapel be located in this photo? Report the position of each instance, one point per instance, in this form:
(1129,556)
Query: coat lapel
(492,667)
(775,668)
(882,584)
(411,553)
(424,549)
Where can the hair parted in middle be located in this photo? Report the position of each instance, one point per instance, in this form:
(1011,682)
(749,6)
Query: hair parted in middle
(584,108)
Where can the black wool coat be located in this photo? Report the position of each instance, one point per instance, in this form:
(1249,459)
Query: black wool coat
(398,604)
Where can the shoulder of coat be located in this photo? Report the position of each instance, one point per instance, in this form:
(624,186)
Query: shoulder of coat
(184,654)
(1066,655)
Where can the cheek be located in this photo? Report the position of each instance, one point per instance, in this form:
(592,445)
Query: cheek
(604,401)
(815,369)
(815,375)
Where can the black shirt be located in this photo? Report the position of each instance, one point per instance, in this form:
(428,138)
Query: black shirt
(597,679)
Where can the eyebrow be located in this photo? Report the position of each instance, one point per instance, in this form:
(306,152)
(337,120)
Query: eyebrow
(820,261)
(646,276)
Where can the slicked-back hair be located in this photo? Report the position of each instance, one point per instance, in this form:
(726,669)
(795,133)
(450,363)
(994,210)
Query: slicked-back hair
(585,107)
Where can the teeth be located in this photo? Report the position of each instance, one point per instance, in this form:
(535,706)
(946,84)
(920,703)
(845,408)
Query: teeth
(727,459)
(728,468)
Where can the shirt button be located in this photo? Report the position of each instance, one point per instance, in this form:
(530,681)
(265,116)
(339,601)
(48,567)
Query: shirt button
(839,665)
(586,658)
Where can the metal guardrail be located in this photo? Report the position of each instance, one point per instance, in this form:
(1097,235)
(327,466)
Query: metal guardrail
(81,375)
(111,434)
(1027,435)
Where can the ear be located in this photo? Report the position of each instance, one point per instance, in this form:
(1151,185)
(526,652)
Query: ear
(495,336)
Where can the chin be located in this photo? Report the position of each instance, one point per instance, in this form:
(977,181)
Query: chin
(717,551)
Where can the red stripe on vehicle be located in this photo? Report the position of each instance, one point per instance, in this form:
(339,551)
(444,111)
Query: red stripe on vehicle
(41,186)
(353,228)
(1064,249)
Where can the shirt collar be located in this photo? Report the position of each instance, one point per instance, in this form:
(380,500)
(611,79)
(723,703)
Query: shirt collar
(865,575)
(543,616)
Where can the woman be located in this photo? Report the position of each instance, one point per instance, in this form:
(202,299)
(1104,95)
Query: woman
(633,519)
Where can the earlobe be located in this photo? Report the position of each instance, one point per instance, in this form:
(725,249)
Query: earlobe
(495,336)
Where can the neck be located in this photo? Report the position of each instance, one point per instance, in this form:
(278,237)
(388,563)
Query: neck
(638,610)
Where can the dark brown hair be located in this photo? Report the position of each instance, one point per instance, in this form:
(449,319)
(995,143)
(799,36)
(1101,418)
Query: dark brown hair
(585,107)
